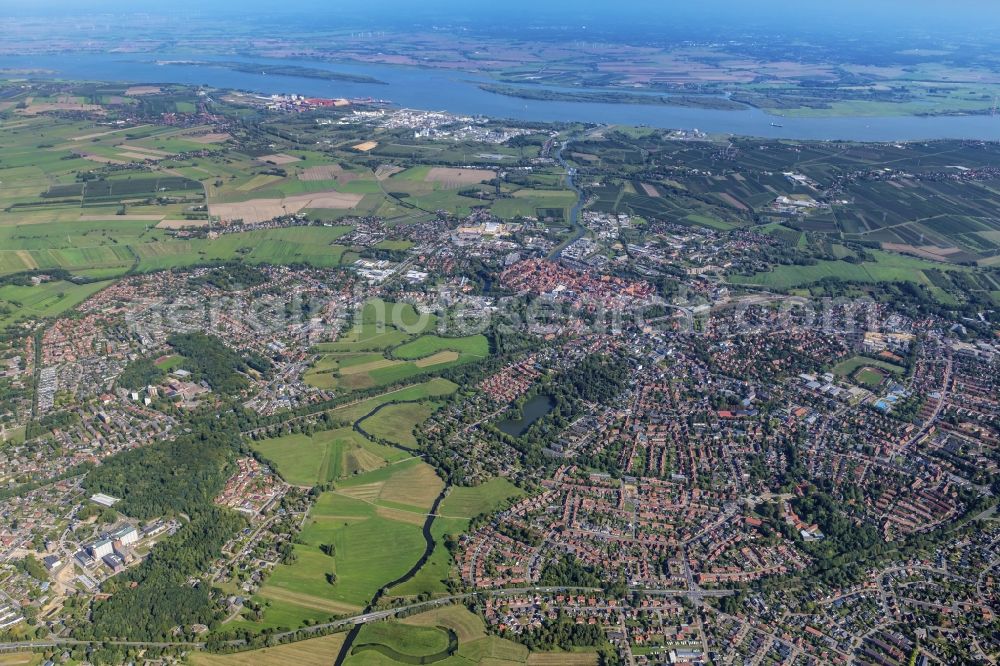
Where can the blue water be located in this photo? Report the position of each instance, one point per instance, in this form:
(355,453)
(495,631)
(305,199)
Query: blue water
(458,92)
(533,410)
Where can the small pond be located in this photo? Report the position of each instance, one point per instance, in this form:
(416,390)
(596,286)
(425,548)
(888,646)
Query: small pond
(533,410)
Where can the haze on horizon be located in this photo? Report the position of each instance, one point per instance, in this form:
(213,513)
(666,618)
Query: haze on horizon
(982,16)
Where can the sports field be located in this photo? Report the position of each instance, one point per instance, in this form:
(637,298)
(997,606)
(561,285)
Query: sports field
(849,366)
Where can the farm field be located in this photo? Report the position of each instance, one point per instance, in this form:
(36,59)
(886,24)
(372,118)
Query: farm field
(392,330)
(409,485)
(467,625)
(401,642)
(432,388)
(373,521)
(887,267)
(396,423)
(455,512)
(48,299)
(427,345)
(312,652)
(426,636)
(77,246)
(469,502)
(325,456)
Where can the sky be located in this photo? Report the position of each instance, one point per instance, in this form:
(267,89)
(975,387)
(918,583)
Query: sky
(867,15)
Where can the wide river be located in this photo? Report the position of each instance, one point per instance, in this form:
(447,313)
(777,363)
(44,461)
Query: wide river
(458,92)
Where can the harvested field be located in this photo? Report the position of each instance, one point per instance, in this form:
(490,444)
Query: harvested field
(416,486)
(181,224)
(467,625)
(142,90)
(931,252)
(366,146)
(29,261)
(44,107)
(257,182)
(262,210)
(312,652)
(96,135)
(309,601)
(101,159)
(440,357)
(211,137)
(139,156)
(140,149)
(327,172)
(120,218)
(455,178)
(399,515)
(367,492)
(368,367)
(277,158)
(651,190)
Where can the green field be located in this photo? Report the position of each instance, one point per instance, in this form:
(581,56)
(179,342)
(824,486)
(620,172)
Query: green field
(373,521)
(886,268)
(427,345)
(48,299)
(312,652)
(430,389)
(325,456)
(400,642)
(396,423)
(370,550)
(849,366)
(469,502)
(458,507)
(426,634)
(380,327)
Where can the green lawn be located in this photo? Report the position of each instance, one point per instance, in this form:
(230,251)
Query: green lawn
(469,502)
(48,299)
(869,377)
(429,389)
(370,551)
(396,423)
(407,639)
(325,456)
(847,367)
(427,345)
